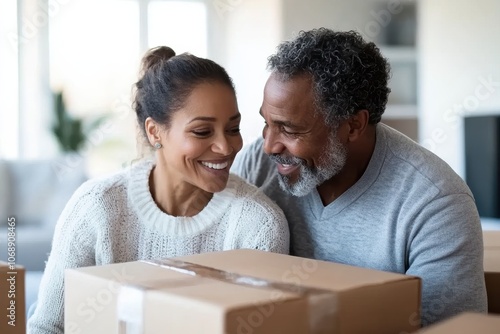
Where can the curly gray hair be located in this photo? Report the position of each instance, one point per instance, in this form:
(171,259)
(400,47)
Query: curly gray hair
(349,74)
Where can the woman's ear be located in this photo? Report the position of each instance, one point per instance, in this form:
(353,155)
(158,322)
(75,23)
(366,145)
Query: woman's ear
(358,124)
(152,131)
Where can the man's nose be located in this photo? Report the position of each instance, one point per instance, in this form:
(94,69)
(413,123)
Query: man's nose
(272,144)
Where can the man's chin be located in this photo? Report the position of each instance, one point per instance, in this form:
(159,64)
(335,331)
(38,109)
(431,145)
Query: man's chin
(293,188)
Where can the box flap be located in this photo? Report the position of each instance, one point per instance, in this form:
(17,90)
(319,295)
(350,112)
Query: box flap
(150,276)
(183,290)
(183,295)
(295,270)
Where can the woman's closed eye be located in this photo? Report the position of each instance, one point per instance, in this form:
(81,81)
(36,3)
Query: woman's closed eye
(206,133)
(201,133)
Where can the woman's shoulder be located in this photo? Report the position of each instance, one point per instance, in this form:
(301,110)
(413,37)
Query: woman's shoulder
(242,188)
(261,222)
(104,186)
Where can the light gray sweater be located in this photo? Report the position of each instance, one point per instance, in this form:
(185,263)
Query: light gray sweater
(115,219)
(409,213)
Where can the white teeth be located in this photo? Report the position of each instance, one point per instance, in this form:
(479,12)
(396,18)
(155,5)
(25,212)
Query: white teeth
(215,166)
(285,165)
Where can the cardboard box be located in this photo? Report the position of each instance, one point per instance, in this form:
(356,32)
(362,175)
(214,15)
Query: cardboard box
(491,241)
(202,294)
(12,299)
(466,323)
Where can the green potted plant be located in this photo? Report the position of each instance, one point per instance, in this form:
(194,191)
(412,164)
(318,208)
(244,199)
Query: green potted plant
(69,131)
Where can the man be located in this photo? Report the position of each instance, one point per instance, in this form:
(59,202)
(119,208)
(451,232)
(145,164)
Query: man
(354,190)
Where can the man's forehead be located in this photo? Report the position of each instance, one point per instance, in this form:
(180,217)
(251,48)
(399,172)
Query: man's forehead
(290,91)
(303,81)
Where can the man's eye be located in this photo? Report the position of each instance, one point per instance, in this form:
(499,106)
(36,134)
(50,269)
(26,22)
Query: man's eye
(285,131)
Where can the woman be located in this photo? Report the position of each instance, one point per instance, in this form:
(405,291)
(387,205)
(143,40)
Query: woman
(184,201)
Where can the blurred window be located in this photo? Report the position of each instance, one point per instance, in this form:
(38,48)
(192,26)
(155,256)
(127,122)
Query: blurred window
(9,93)
(93,56)
(182,25)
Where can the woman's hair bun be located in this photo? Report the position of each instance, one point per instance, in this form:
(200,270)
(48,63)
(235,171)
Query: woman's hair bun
(155,56)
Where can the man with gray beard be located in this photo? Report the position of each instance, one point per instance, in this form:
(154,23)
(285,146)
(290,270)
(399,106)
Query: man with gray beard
(354,190)
(309,177)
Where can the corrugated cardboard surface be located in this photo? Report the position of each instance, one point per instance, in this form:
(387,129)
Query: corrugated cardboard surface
(365,300)
(369,300)
(13,320)
(466,323)
(491,241)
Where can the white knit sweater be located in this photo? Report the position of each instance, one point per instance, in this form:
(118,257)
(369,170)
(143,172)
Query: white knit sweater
(115,219)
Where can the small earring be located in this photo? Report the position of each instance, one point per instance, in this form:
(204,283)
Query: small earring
(157,145)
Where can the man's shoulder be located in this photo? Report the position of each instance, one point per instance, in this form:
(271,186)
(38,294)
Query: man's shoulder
(406,155)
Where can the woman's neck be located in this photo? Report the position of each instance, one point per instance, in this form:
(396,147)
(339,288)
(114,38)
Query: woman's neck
(174,197)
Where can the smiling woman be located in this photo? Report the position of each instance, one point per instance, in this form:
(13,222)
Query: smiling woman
(182,201)
(204,147)
(196,150)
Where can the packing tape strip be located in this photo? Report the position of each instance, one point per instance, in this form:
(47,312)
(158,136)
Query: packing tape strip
(322,303)
(130,303)
(130,309)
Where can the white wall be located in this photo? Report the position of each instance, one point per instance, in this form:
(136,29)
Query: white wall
(253,29)
(334,14)
(459,52)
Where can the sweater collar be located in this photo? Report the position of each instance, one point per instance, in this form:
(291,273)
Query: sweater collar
(151,216)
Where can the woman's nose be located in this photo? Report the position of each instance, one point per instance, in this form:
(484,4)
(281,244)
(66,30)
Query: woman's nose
(222,146)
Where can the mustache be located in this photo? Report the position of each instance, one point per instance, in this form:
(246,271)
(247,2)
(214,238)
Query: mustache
(286,160)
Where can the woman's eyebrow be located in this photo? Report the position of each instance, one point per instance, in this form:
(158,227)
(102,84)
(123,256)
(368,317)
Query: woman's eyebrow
(237,116)
(213,119)
(203,118)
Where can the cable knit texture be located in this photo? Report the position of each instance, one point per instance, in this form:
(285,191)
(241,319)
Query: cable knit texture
(115,219)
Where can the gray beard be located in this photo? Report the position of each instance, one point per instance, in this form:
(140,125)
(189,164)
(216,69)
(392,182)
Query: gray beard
(311,177)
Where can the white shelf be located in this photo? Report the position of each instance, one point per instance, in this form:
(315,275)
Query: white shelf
(400,111)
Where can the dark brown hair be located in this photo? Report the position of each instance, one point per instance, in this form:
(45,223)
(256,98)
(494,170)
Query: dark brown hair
(168,79)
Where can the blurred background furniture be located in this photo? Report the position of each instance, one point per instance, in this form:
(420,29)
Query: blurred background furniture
(35,192)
